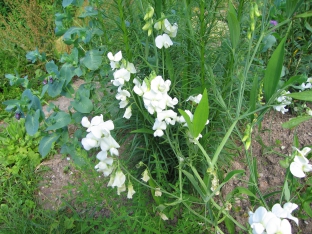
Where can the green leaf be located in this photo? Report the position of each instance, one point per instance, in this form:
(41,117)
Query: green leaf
(194,183)
(67,72)
(242,190)
(304,96)
(201,115)
(273,71)
(32,122)
(93,59)
(294,79)
(46,144)
(231,174)
(307,208)
(294,122)
(61,119)
(51,67)
(268,42)
(304,15)
(143,130)
(286,191)
(66,3)
(230,226)
(55,88)
(84,105)
(187,120)
(234,26)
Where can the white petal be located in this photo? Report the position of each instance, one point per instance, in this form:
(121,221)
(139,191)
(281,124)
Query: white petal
(118,56)
(85,122)
(102,155)
(296,170)
(159,41)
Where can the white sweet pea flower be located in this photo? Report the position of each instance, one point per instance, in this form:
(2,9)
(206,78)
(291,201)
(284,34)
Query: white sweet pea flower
(85,122)
(153,101)
(195,99)
(299,166)
(171,30)
(114,59)
(122,94)
(145,177)
(121,76)
(121,189)
(168,115)
(105,166)
(130,191)
(159,85)
(109,144)
(276,225)
(89,142)
(129,67)
(163,216)
(123,104)
(280,108)
(285,212)
(159,126)
(119,179)
(169,101)
(128,113)
(97,126)
(138,88)
(163,41)
(260,219)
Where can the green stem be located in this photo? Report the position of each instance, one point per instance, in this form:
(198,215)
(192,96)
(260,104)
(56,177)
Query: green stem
(124,29)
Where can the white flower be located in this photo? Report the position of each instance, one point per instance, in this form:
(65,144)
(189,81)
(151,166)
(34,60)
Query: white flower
(285,212)
(158,25)
(128,113)
(122,94)
(130,191)
(138,88)
(305,86)
(145,177)
(163,41)
(105,166)
(128,66)
(85,122)
(89,142)
(168,115)
(97,126)
(123,104)
(195,99)
(159,126)
(121,76)
(309,112)
(159,85)
(119,179)
(114,59)
(109,144)
(300,165)
(120,189)
(276,225)
(171,30)
(280,108)
(158,193)
(259,219)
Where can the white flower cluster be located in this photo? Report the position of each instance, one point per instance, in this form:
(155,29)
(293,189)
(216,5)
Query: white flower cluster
(283,101)
(300,165)
(275,221)
(121,76)
(99,136)
(170,31)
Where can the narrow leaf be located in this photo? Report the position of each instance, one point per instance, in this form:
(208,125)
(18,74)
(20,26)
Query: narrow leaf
(304,96)
(304,15)
(187,120)
(234,27)
(194,183)
(201,115)
(143,130)
(273,71)
(294,122)
(231,174)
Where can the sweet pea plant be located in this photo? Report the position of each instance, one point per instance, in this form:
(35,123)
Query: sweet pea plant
(151,67)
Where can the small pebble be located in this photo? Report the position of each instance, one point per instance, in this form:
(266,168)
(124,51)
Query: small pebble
(68,158)
(306,222)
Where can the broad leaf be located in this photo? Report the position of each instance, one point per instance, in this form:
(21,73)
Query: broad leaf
(93,59)
(51,67)
(46,144)
(66,3)
(273,71)
(55,88)
(32,122)
(60,120)
(84,105)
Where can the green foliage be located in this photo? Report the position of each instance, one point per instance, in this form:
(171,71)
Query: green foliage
(18,150)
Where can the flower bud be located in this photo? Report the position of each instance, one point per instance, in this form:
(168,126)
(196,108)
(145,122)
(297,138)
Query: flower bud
(252,13)
(17,115)
(146,26)
(252,26)
(149,14)
(149,32)
(257,13)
